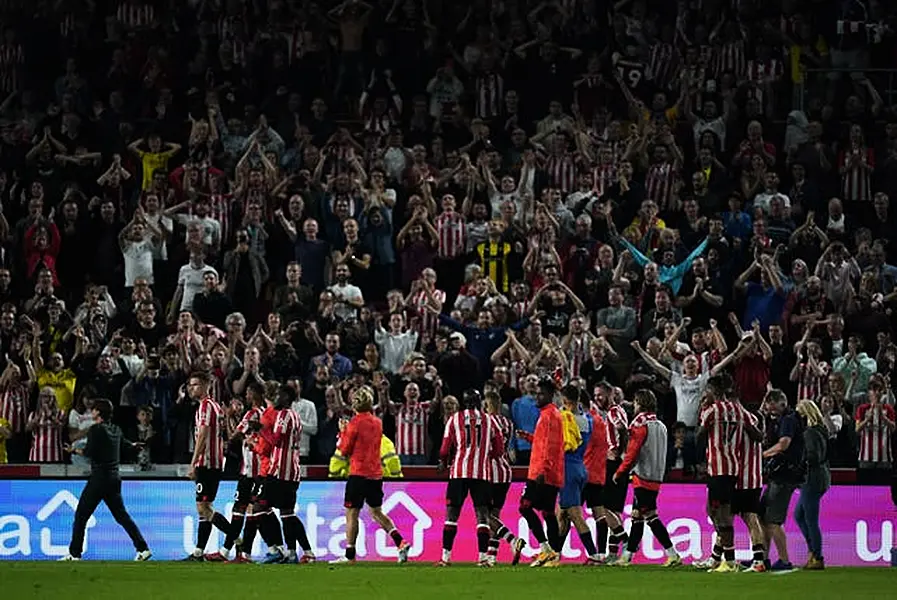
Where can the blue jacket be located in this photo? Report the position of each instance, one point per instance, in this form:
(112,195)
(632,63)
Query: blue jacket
(671,276)
(524,414)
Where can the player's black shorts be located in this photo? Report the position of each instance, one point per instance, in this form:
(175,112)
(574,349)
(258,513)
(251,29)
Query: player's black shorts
(245,493)
(746,502)
(720,490)
(644,499)
(499,495)
(540,496)
(361,491)
(593,495)
(479,490)
(207,482)
(279,494)
(615,493)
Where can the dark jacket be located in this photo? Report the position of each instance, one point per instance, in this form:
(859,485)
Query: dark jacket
(819,477)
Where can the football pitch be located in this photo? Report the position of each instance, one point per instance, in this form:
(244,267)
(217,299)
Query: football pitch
(135,581)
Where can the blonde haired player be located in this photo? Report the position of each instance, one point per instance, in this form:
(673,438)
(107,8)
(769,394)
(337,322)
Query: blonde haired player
(360,440)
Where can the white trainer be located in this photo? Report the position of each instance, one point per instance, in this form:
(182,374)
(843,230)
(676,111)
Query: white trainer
(69,557)
(143,555)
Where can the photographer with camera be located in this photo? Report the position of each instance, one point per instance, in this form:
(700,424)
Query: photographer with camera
(785,470)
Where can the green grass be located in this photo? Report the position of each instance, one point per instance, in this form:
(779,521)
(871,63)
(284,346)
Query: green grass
(132,581)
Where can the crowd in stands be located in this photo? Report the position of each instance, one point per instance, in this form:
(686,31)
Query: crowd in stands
(429,196)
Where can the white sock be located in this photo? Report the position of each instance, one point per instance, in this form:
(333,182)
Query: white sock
(602,556)
(446,555)
(197,551)
(595,556)
(545,547)
(291,553)
(483,557)
(627,554)
(671,552)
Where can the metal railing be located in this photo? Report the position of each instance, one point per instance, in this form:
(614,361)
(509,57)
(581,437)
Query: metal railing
(885,81)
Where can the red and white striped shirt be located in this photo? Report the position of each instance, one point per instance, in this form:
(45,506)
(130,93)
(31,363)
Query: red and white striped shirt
(489,90)
(251,461)
(617,422)
(501,466)
(210,415)
(12,59)
(660,181)
(809,384)
(758,72)
(604,176)
(724,424)
(750,457)
(470,442)
(46,441)
(285,464)
(578,353)
(135,15)
(662,64)
(411,428)
(221,212)
(732,58)
(875,438)
(561,171)
(856,181)
(452,233)
(428,322)
(14,407)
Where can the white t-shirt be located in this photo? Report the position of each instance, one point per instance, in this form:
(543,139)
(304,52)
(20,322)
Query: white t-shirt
(717,126)
(497,199)
(341,294)
(165,225)
(688,396)
(443,94)
(211,228)
(308,417)
(763,200)
(191,278)
(138,261)
(80,423)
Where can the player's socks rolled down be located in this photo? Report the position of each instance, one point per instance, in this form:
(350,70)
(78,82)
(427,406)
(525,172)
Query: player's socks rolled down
(618,537)
(221,522)
(204,531)
(535,525)
(636,531)
(660,532)
(236,527)
(483,535)
(252,527)
(505,534)
(396,537)
(586,538)
(449,531)
(552,531)
(759,554)
(601,534)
